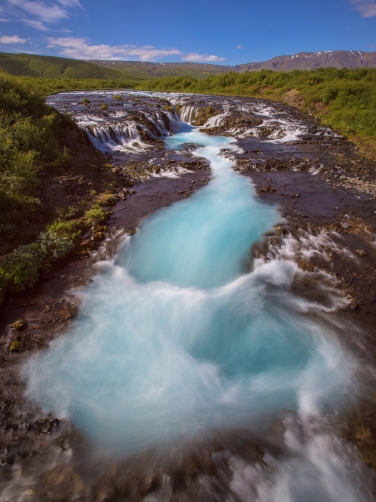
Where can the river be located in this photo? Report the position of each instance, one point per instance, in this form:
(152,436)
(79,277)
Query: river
(192,349)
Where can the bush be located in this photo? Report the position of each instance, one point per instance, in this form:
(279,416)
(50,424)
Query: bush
(330,94)
(30,133)
(20,269)
(58,240)
(95,215)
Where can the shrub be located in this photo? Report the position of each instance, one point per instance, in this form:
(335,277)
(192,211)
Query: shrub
(30,134)
(95,215)
(20,269)
(58,240)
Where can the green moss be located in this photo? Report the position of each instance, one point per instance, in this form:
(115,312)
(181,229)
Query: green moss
(20,269)
(15,346)
(18,325)
(106,199)
(203,114)
(168,108)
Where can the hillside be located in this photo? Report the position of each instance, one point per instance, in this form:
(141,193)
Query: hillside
(300,61)
(142,70)
(313,60)
(51,181)
(29,65)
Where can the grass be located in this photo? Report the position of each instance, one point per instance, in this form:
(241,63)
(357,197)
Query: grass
(137,70)
(21,268)
(29,65)
(343,99)
(47,86)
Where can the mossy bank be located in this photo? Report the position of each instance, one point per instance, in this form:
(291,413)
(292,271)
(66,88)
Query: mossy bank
(53,186)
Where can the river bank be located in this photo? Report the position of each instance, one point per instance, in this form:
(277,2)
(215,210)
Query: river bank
(292,173)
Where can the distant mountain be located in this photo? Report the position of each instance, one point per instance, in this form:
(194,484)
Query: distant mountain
(313,60)
(29,65)
(142,70)
(55,67)
(300,61)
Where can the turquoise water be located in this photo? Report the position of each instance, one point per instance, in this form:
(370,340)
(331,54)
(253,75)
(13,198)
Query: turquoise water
(176,339)
(204,241)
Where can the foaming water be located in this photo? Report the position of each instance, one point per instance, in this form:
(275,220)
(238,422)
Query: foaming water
(175,340)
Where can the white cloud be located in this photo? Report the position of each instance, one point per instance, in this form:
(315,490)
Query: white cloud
(79,48)
(48,13)
(193,56)
(70,3)
(38,25)
(239,46)
(366,8)
(15,39)
(38,13)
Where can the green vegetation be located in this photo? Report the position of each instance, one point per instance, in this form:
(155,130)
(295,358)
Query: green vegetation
(141,70)
(31,150)
(47,86)
(21,268)
(29,145)
(343,99)
(29,65)
(95,215)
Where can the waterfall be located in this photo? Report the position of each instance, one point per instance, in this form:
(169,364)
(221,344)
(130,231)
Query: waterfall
(188,113)
(119,135)
(215,121)
(109,137)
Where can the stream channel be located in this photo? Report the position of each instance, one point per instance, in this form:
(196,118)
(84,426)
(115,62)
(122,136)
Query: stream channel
(184,340)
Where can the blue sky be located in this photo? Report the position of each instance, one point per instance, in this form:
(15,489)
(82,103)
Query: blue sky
(231,32)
